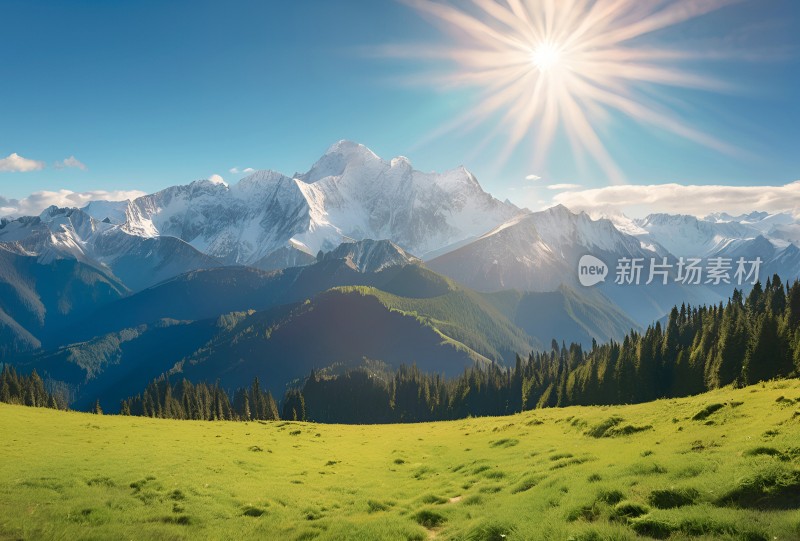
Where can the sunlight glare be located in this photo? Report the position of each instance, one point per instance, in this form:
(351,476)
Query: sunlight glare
(545,57)
(543,66)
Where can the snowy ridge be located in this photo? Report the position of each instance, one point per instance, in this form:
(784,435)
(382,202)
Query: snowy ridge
(269,220)
(139,260)
(113,212)
(536,252)
(718,233)
(348,194)
(688,236)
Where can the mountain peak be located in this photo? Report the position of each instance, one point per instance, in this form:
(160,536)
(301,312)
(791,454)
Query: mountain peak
(763,244)
(754,216)
(54,212)
(345,146)
(662,219)
(337,158)
(560,211)
(400,161)
(263,177)
(207,185)
(371,255)
(349,193)
(113,211)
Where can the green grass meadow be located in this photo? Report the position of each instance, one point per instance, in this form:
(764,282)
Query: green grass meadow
(723,465)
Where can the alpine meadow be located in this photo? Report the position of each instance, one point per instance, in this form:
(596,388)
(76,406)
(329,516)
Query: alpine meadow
(720,465)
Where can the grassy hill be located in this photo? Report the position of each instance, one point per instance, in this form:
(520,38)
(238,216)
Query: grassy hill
(342,325)
(722,465)
(463,316)
(564,314)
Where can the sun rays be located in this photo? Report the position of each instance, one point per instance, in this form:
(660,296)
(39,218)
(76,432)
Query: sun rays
(547,65)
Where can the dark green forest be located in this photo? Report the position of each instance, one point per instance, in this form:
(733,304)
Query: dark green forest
(201,402)
(747,340)
(26,390)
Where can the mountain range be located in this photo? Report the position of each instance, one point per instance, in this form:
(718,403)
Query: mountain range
(234,323)
(358,258)
(348,194)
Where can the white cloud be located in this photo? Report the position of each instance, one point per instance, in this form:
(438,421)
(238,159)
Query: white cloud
(70,162)
(638,200)
(35,203)
(563,186)
(236,170)
(217,179)
(15,163)
(533,177)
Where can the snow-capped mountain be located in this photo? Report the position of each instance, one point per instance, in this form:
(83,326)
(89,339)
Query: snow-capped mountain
(763,221)
(266,220)
(138,261)
(716,233)
(272,221)
(54,234)
(719,232)
(776,227)
(541,251)
(687,236)
(349,194)
(536,252)
(771,238)
(107,211)
(785,263)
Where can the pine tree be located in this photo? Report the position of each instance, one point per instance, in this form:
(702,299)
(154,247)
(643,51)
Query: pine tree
(777,297)
(294,408)
(246,412)
(5,393)
(765,353)
(725,367)
(272,408)
(167,409)
(793,305)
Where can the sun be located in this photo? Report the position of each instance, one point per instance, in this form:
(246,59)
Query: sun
(543,67)
(546,56)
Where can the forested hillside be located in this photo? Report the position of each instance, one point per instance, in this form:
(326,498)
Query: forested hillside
(699,349)
(748,340)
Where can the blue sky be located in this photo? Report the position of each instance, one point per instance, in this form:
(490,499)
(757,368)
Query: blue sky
(150,94)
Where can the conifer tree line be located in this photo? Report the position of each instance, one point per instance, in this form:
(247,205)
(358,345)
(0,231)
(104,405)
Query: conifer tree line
(25,390)
(201,401)
(410,395)
(748,340)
